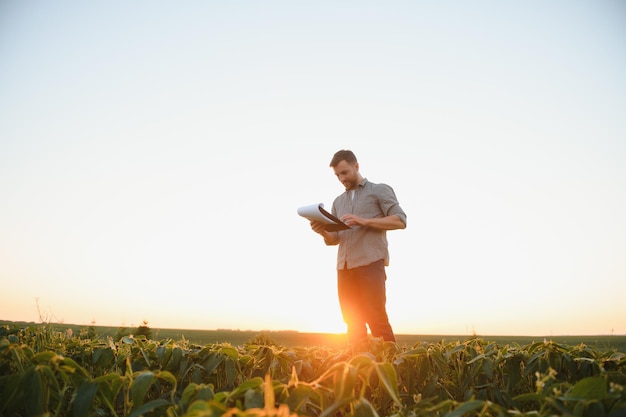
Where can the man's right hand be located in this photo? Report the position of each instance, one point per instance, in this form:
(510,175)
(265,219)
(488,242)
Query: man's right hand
(318,227)
(330,238)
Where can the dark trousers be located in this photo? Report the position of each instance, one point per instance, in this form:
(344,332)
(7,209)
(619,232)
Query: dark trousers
(362,298)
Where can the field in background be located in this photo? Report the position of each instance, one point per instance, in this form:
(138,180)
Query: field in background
(295,338)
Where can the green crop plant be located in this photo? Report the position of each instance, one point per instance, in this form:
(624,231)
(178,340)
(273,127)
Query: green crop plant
(44,372)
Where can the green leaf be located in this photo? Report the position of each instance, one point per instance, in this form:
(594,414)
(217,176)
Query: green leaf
(139,388)
(44,357)
(387,375)
(33,387)
(164,354)
(206,408)
(345,383)
(11,394)
(103,357)
(84,398)
(334,407)
(108,388)
(231,352)
(420,350)
(195,392)
(465,408)
(177,356)
(299,395)
(230,370)
(144,354)
(150,406)
(441,407)
(592,388)
(253,399)
(364,408)
(169,378)
(363,360)
(477,358)
(77,373)
(530,396)
(189,394)
(212,362)
(254,383)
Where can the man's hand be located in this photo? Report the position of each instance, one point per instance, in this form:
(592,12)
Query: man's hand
(318,227)
(330,238)
(352,220)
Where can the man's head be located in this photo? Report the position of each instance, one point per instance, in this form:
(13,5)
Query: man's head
(343,155)
(346,169)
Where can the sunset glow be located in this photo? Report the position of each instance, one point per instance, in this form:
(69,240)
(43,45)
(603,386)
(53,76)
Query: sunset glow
(153,156)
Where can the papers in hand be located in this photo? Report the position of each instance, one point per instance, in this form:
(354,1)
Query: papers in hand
(316,212)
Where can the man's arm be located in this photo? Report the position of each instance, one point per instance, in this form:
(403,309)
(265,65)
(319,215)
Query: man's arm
(392,222)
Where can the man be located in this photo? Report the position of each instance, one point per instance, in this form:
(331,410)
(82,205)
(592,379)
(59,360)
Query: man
(370,210)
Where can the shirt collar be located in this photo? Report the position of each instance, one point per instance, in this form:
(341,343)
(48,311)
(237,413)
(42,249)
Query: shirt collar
(360,185)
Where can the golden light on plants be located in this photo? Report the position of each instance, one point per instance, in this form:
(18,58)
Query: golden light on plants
(136,376)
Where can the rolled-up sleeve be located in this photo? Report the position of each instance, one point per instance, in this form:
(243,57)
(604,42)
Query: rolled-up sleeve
(389,202)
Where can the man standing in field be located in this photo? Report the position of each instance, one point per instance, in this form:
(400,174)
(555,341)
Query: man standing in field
(370,210)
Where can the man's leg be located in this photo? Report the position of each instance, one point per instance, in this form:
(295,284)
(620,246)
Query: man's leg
(350,301)
(373,278)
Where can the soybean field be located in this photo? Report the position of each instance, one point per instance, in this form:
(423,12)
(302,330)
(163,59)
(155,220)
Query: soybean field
(47,371)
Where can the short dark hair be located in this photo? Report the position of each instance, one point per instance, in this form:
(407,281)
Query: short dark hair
(343,155)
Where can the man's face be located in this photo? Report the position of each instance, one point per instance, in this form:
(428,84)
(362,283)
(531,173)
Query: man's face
(347,174)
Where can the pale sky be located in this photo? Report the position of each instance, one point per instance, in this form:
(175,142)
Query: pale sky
(153,155)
